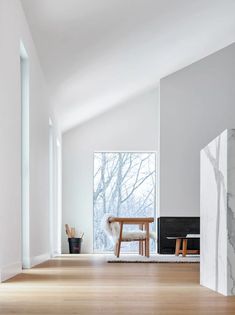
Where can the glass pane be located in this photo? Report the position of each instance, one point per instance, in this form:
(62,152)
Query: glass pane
(124,186)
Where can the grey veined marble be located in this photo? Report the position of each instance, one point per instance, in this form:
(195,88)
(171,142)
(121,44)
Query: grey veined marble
(217,212)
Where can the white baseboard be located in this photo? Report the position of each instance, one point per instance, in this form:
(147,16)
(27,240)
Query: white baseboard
(36,260)
(9,271)
(55,254)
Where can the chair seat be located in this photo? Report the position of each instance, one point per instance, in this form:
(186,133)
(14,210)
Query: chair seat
(133,235)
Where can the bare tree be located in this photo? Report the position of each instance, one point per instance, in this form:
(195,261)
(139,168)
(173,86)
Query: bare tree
(124,184)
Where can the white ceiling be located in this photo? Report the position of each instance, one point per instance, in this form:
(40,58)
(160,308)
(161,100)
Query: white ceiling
(97,53)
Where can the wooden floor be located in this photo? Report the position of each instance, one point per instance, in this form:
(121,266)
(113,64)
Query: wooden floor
(88,285)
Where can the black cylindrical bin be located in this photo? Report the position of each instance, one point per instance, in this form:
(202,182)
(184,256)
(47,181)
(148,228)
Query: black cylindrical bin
(75,245)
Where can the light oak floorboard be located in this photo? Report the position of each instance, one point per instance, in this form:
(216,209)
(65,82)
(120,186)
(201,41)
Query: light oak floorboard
(87,284)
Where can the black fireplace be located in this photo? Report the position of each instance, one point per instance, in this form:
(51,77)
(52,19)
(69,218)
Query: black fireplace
(176,226)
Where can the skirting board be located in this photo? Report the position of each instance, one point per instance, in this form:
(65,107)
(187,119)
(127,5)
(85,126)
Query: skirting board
(9,271)
(36,260)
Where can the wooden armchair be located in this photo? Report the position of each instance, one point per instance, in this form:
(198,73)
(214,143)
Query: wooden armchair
(142,235)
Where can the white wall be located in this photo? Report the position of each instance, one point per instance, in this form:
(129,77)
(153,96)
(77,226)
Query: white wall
(197,103)
(13,28)
(131,126)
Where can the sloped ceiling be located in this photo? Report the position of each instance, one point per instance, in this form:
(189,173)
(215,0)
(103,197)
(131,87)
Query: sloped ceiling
(97,53)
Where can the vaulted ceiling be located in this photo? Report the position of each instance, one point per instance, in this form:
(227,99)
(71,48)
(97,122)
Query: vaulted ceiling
(97,53)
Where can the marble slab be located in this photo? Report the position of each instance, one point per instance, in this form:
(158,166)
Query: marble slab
(217,212)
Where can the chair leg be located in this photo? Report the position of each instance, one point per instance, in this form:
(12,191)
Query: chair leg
(141,242)
(185,243)
(119,240)
(147,240)
(141,247)
(116,249)
(177,246)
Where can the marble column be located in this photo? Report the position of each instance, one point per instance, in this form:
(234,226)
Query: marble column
(217,212)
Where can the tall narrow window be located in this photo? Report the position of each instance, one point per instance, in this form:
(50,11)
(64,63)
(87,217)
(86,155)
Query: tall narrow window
(51,181)
(58,195)
(55,191)
(24,76)
(125,186)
